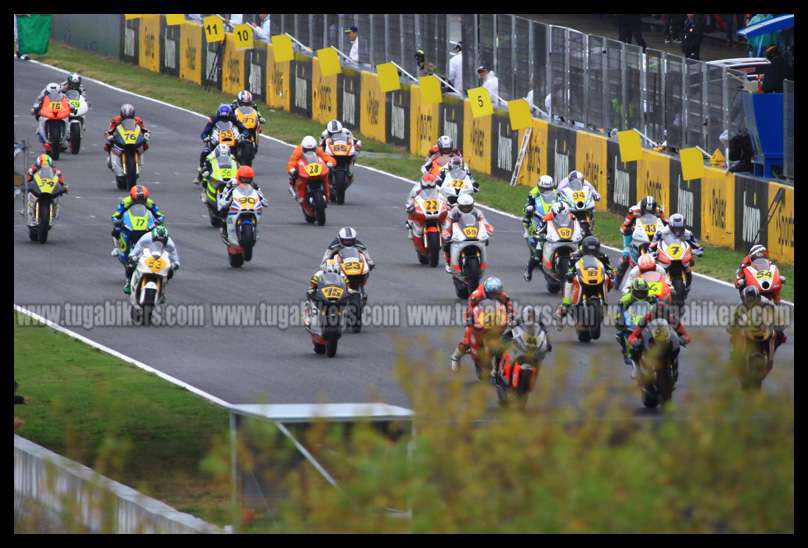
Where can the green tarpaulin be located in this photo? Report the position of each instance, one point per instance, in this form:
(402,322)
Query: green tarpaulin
(33,33)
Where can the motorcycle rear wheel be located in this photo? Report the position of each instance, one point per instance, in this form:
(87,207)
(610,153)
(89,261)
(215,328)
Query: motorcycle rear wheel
(319,208)
(75,138)
(433,248)
(331,347)
(236,260)
(44,221)
(319,348)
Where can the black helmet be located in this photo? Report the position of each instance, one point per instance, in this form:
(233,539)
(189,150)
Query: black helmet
(648,205)
(590,246)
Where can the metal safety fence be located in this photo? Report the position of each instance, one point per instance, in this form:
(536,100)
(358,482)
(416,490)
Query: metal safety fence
(584,80)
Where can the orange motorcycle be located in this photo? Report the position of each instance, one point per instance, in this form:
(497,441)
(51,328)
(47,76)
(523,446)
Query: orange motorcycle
(312,173)
(53,120)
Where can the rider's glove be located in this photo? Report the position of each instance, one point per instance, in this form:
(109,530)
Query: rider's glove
(293,173)
(146,136)
(262,120)
(65,189)
(358,144)
(330,164)
(409,208)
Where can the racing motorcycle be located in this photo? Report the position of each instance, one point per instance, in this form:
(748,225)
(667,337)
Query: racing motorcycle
(676,257)
(658,285)
(242,223)
(519,365)
(323,317)
(353,264)
(631,317)
(645,228)
(248,148)
(753,354)
(53,120)
(312,172)
(764,275)
(42,204)
(581,203)
(148,282)
(136,222)
(127,147)
(589,288)
(457,181)
(425,222)
(440,162)
(341,148)
(76,123)
(225,132)
(490,320)
(214,184)
(659,363)
(563,235)
(468,256)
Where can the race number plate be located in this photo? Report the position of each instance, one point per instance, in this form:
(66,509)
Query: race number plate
(155,264)
(333,292)
(314,170)
(471,231)
(565,233)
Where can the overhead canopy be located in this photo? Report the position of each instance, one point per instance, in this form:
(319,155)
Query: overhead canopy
(773,24)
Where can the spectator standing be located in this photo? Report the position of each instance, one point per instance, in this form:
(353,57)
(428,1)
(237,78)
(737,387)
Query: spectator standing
(693,34)
(673,27)
(776,72)
(263,28)
(491,83)
(456,68)
(353,39)
(630,25)
(758,44)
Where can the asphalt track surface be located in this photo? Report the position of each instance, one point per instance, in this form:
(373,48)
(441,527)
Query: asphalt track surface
(267,364)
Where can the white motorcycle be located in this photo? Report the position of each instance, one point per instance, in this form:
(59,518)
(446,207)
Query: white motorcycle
(563,235)
(148,282)
(581,202)
(645,228)
(457,182)
(76,122)
(243,217)
(468,254)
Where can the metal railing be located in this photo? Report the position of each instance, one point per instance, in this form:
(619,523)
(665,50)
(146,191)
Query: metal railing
(593,82)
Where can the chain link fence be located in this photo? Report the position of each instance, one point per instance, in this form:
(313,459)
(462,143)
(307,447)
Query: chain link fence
(593,82)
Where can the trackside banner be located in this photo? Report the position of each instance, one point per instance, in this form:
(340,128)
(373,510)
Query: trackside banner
(477,140)
(255,62)
(323,94)
(232,66)
(349,96)
(149,54)
(424,123)
(191,52)
(781,225)
(685,198)
(653,178)
(591,160)
(622,180)
(504,146)
(397,104)
(535,163)
(301,86)
(562,157)
(373,113)
(212,53)
(279,88)
(450,112)
(718,207)
(751,209)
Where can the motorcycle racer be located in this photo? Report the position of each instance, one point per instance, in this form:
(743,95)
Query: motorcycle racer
(757,251)
(541,198)
(646,205)
(465,204)
(127,111)
(223,114)
(676,228)
(158,234)
(445,145)
(646,263)
(751,299)
(218,155)
(246,99)
(589,246)
(244,175)
(659,310)
(577,175)
(308,144)
(330,266)
(138,194)
(43,160)
(491,288)
(346,237)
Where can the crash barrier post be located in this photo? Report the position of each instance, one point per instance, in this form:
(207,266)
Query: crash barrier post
(60,485)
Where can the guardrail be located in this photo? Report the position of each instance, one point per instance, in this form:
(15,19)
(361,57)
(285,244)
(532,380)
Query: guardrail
(66,488)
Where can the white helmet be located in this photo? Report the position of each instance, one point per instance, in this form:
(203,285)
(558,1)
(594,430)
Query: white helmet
(575,174)
(222,151)
(334,126)
(347,236)
(331,265)
(465,203)
(445,144)
(308,143)
(560,208)
(53,87)
(546,183)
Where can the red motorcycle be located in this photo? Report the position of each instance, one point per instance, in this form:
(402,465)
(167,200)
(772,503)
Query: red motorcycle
(53,120)
(431,209)
(312,172)
(764,275)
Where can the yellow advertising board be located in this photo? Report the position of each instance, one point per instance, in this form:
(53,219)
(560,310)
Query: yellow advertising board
(781,225)
(243,36)
(214,28)
(232,66)
(191,52)
(278,77)
(372,117)
(424,122)
(653,178)
(149,42)
(591,160)
(476,140)
(323,93)
(480,102)
(175,19)
(630,145)
(718,207)
(535,163)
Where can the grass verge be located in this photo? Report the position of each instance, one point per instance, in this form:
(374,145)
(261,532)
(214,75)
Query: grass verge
(123,422)
(718,262)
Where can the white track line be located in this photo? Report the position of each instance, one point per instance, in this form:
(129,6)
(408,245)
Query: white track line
(391,175)
(124,357)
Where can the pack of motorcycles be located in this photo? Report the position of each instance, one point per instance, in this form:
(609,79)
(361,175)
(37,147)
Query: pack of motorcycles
(515,353)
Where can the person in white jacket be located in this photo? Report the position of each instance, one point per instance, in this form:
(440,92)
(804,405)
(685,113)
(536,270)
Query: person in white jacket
(491,83)
(160,235)
(575,174)
(456,68)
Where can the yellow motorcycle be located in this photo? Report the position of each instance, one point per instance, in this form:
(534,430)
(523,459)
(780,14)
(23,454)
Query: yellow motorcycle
(589,289)
(43,204)
(248,148)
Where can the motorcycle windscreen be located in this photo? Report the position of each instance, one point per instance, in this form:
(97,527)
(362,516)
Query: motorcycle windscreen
(138,218)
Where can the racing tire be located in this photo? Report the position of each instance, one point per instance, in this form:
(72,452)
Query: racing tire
(120,182)
(319,348)
(236,260)
(678,297)
(339,184)
(553,287)
(433,248)
(319,208)
(423,259)
(502,395)
(331,347)
(245,153)
(461,289)
(75,138)
(473,272)
(664,385)
(649,398)
(215,220)
(32,235)
(247,241)
(44,221)
(131,172)
(584,335)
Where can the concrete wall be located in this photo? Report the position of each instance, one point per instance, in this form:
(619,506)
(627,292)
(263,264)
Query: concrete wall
(98,32)
(64,488)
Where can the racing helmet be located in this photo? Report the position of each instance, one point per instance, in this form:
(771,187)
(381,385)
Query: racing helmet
(750,294)
(646,263)
(308,144)
(347,236)
(53,87)
(224,111)
(590,246)
(127,111)
(244,98)
(334,126)
(160,234)
(331,266)
(758,252)
(465,203)
(492,286)
(648,205)
(677,224)
(575,174)
(456,163)
(245,174)
(445,144)
(560,209)
(545,183)
(222,151)
(139,193)
(43,160)
(428,181)
(639,289)
(74,79)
